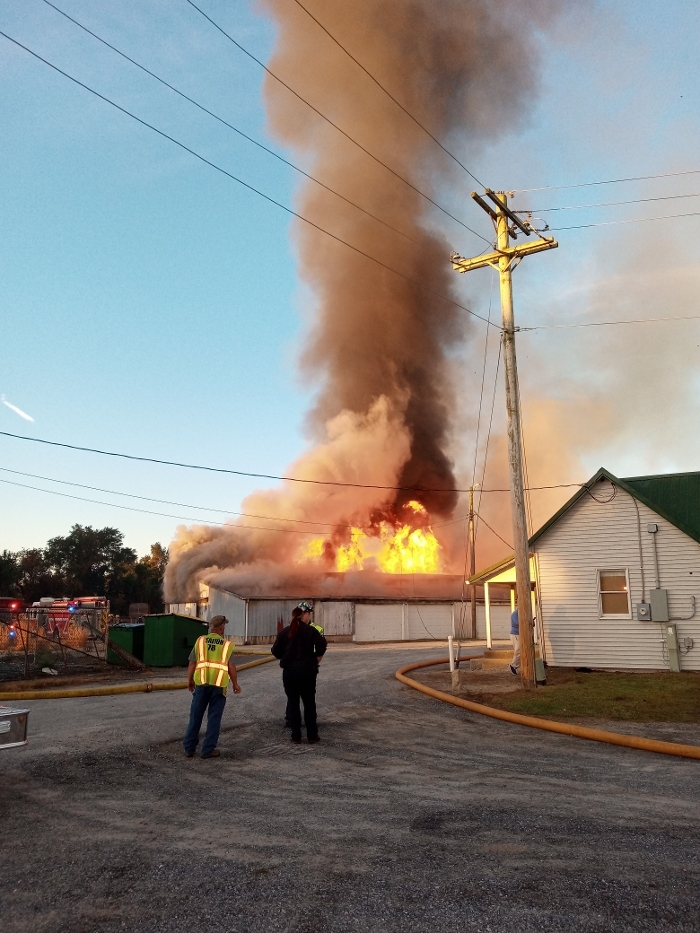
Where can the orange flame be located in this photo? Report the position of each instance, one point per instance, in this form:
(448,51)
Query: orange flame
(405,549)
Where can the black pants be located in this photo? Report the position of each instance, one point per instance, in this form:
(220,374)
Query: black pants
(301,686)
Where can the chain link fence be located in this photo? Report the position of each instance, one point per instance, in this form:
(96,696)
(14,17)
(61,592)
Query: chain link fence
(39,641)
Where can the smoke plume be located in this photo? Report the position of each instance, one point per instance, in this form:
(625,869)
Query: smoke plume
(379,347)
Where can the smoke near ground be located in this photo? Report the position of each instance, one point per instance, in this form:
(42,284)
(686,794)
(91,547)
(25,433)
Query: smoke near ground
(378,348)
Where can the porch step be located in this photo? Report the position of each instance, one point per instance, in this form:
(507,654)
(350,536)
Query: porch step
(495,664)
(502,653)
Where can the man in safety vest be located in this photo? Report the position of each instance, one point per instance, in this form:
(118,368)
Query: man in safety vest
(208,675)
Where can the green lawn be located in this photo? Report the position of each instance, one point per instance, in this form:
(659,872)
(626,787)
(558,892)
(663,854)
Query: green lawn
(661,697)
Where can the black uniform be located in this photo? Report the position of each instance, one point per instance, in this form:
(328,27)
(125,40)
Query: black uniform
(298,659)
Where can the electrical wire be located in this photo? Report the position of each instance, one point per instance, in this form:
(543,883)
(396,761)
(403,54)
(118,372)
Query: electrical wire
(585,207)
(240,181)
(488,435)
(184,505)
(493,531)
(132,508)
(388,93)
(643,320)
(331,123)
(610,181)
(613,223)
(225,123)
(290,479)
(483,381)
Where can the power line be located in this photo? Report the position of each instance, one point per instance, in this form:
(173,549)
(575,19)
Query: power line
(613,223)
(585,207)
(240,181)
(481,394)
(610,181)
(184,505)
(225,123)
(648,320)
(210,469)
(388,93)
(132,508)
(481,519)
(331,123)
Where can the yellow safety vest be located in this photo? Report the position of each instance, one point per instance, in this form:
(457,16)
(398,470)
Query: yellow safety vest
(212,654)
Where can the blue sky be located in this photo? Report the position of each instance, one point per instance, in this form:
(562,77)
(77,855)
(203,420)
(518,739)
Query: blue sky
(152,306)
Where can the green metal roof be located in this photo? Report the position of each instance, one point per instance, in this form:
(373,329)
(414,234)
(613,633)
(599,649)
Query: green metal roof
(673,496)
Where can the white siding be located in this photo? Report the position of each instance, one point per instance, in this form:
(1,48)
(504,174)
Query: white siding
(431,621)
(336,618)
(500,620)
(378,621)
(595,535)
(226,604)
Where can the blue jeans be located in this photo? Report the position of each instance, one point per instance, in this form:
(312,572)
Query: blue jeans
(203,697)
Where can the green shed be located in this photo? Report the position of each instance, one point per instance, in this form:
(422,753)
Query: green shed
(128,636)
(168,639)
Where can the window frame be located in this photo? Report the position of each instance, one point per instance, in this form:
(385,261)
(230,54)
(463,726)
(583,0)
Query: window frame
(614,615)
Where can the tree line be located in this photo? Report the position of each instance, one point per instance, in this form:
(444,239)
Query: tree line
(86,562)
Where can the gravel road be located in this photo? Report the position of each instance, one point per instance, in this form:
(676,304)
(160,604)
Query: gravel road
(410,815)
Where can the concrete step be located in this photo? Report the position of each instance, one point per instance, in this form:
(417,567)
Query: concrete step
(495,664)
(499,653)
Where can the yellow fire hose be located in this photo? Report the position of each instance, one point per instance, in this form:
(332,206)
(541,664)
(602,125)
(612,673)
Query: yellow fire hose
(581,732)
(68,693)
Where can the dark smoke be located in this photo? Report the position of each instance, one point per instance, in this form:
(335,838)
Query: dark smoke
(379,348)
(464,70)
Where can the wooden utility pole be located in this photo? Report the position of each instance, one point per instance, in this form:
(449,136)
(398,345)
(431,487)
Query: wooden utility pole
(472,561)
(505,259)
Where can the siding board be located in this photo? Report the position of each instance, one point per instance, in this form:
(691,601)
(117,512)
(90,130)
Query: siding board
(602,534)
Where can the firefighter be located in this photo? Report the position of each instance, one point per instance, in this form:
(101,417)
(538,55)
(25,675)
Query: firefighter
(299,647)
(304,606)
(208,674)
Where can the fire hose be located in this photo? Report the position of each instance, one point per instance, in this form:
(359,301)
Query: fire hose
(69,693)
(534,722)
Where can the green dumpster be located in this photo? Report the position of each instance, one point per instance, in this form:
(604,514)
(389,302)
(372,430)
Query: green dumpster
(168,639)
(129,636)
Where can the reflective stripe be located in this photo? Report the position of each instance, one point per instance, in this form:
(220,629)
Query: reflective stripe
(203,665)
(225,654)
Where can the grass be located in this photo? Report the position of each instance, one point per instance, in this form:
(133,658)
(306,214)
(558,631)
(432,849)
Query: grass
(657,697)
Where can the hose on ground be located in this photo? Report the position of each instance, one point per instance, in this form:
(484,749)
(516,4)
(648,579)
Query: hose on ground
(70,693)
(534,722)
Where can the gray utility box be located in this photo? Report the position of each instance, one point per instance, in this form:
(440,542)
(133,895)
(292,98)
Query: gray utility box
(643,612)
(674,655)
(658,600)
(13,727)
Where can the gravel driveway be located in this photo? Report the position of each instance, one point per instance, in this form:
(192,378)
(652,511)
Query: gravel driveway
(410,815)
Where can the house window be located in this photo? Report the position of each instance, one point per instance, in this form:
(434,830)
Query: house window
(614,593)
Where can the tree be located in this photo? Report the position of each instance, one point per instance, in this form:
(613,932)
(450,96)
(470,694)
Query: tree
(35,578)
(86,562)
(89,560)
(9,574)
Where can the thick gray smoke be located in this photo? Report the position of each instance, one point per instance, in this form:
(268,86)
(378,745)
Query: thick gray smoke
(379,346)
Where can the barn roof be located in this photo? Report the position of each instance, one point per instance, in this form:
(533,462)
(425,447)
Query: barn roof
(673,496)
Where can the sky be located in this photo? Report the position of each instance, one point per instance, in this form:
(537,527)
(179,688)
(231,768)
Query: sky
(150,305)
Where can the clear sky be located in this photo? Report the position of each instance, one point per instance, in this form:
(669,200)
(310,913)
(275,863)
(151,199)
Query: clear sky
(150,305)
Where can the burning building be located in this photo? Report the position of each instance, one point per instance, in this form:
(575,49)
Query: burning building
(372,501)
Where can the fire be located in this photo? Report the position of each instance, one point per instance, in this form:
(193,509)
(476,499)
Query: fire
(403,547)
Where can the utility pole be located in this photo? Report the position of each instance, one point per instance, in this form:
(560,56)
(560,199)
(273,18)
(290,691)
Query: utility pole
(505,258)
(472,561)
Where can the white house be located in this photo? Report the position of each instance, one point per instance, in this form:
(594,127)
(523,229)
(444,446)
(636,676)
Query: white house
(616,575)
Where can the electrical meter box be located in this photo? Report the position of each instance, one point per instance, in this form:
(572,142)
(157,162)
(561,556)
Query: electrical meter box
(643,612)
(674,655)
(658,600)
